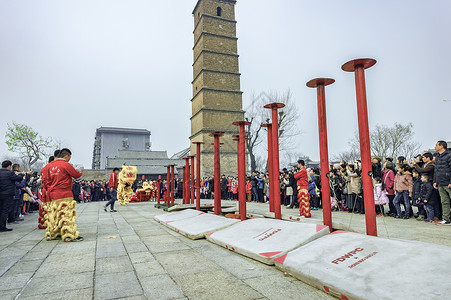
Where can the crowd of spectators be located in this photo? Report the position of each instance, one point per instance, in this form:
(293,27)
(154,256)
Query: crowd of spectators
(419,188)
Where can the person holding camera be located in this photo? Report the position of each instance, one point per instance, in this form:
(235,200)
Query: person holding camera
(8,180)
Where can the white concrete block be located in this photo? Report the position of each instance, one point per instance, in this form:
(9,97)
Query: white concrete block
(199,226)
(266,239)
(177,216)
(357,266)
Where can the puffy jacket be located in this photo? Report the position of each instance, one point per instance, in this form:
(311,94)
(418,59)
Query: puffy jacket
(426,192)
(442,172)
(8,182)
(416,189)
(355,186)
(404,182)
(388,178)
(19,186)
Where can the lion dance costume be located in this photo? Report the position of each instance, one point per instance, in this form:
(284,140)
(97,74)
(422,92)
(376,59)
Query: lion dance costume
(124,188)
(59,201)
(303,194)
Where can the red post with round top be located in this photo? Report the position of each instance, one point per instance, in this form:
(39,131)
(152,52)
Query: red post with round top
(242,168)
(358,66)
(275,151)
(198,179)
(192,179)
(319,84)
(217,171)
(268,127)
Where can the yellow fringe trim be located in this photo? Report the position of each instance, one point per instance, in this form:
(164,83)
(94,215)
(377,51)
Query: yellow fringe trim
(60,219)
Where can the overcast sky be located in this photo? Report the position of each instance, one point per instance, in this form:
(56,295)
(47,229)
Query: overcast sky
(69,67)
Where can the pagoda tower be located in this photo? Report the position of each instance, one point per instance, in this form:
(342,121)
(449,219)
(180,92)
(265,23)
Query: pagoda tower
(217,99)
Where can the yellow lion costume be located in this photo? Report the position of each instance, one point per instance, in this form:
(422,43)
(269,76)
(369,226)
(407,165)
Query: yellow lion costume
(125,180)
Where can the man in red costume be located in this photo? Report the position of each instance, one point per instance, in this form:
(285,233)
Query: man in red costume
(303,194)
(112,185)
(61,212)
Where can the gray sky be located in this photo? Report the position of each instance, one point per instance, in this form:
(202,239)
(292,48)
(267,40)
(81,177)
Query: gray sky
(69,67)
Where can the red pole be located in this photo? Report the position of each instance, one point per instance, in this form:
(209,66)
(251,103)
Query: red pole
(270,167)
(158,188)
(320,83)
(275,153)
(166,198)
(184,186)
(172,185)
(217,176)
(242,168)
(192,179)
(358,66)
(198,174)
(187,182)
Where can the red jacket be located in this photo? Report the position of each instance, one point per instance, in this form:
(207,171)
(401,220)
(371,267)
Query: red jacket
(45,181)
(388,178)
(112,183)
(302,178)
(60,174)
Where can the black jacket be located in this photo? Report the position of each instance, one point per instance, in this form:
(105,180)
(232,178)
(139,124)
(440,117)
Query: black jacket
(442,172)
(416,191)
(8,182)
(426,192)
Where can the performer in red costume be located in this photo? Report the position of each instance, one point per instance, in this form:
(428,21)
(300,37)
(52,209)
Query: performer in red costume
(303,194)
(61,213)
(43,194)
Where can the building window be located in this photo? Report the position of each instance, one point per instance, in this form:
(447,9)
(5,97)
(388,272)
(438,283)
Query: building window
(219,11)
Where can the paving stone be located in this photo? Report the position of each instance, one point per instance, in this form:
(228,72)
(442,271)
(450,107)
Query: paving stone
(25,266)
(53,283)
(9,294)
(141,257)
(14,281)
(216,284)
(149,269)
(161,287)
(135,247)
(67,264)
(280,287)
(185,262)
(7,262)
(117,285)
(138,297)
(62,295)
(111,249)
(78,248)
(109,265)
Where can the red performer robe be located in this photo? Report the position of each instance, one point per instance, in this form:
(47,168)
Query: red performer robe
(303,194)
(60,179)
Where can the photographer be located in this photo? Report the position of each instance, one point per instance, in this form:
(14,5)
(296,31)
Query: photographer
(8,180)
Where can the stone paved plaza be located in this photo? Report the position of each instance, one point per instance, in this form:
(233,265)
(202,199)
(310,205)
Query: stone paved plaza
(128,255)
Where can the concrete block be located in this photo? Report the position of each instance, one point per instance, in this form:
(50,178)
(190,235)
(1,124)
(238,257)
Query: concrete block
(357,266)
(201,225)
(177,216)
(266,239)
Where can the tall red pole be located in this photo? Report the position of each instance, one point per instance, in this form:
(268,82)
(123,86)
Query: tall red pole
(270,166)
(184,185)
(168,187)
(172,184)
(275,153)
(198,174)
(358,66)
(242,168)
(187,184)
(192,179)
(158,188)
(217,176)
(319,84)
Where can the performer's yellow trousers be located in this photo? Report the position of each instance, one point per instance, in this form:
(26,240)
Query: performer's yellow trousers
(60,219)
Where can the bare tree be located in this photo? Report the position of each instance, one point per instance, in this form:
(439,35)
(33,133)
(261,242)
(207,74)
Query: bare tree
(258,115)
(391,141)
(347,156)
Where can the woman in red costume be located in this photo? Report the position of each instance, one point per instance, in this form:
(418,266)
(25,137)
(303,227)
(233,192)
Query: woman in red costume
(303,194)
